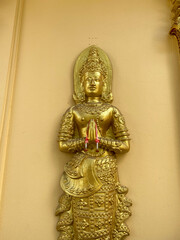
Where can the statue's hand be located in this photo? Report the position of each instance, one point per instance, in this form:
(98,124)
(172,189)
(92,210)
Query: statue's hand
(92,130)
(92,134)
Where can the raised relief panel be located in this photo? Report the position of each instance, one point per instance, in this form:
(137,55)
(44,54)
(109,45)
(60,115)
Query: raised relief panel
(94,203)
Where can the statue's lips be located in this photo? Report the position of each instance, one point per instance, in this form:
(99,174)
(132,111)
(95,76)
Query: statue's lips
(92,88)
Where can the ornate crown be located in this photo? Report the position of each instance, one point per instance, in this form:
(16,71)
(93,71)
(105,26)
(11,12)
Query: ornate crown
(93,63)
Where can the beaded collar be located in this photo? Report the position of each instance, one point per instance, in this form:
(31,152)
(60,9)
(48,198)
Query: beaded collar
(93,108)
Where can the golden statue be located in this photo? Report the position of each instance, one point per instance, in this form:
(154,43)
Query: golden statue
(94,204)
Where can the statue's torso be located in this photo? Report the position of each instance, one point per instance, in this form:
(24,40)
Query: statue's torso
(101,113)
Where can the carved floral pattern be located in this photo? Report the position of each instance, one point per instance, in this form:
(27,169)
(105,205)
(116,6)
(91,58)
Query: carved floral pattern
(99,223)
(84,224)
(82,203)
(99,201)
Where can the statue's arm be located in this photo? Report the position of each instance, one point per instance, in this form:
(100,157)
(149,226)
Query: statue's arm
(121,143)
(67,142)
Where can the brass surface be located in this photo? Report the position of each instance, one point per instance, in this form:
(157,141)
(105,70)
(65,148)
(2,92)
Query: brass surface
(175,29)
(94,204)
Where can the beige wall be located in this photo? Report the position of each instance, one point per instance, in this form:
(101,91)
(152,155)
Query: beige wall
(146,89)
(7,11)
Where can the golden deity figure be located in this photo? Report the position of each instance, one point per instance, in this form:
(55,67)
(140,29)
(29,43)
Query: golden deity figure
(94,203)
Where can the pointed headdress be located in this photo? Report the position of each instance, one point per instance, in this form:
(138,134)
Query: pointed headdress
(93,63)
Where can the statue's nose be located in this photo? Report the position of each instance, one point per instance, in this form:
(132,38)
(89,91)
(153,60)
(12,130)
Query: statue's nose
(93,81)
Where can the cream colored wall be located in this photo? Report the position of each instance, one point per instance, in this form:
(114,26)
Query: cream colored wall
(7,9)
(7,14)
(146,89)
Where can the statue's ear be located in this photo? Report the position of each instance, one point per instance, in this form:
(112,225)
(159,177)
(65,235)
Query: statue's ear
(102,78)
(79,97)
(82,80)
(104,83)
(106,93)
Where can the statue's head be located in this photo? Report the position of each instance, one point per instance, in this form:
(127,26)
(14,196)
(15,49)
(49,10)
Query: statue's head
(93,77)
(92,84)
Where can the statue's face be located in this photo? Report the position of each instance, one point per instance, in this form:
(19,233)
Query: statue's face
(93,84)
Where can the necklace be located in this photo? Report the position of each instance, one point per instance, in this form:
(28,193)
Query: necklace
(93,108)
